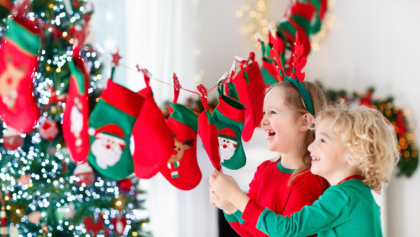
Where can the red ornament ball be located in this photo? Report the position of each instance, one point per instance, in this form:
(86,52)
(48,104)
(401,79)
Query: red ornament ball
(125,185)
(48,129)
(12,142)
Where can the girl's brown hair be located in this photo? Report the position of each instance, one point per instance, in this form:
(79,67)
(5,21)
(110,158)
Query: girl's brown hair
(294,100)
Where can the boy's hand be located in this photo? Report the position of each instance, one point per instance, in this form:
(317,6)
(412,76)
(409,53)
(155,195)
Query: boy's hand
(222,204)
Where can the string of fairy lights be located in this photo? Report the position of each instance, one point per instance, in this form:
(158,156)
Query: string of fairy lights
(256,18)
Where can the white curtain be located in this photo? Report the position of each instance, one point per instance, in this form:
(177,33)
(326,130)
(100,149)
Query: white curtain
(161,37)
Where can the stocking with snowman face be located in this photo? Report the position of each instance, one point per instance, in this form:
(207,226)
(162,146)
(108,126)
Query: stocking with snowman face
(18,59)
(110,127)
(229,117)
(182,169)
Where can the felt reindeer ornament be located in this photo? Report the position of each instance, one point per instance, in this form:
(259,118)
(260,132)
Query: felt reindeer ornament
(18,59)
(153,141)
(76,114)
(182,169)
(207,131)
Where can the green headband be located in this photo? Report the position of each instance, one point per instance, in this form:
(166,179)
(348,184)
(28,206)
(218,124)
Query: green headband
(304,93)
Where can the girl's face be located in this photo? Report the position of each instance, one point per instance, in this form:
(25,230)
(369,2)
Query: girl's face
(329,155)
(280,123)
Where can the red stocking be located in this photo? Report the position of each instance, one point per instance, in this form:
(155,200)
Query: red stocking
(76,114)
(243,87)
(257,88)
(18,59)
(208,132)
(153,141)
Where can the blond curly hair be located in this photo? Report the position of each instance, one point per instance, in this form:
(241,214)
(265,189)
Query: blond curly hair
(370,139)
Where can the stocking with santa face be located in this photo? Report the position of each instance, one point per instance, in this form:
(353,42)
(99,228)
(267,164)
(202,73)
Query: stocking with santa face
(18,59)
(110,127)
(76,114)
(229,117)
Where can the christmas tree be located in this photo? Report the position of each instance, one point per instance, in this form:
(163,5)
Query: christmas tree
(42,192)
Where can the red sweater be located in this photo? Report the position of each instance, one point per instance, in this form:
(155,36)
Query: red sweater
(269,189)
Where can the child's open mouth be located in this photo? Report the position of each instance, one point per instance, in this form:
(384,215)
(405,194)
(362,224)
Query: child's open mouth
(271,134)
(314,158)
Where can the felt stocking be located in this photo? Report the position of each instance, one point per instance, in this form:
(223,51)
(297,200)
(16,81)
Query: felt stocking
(299,20)
(208,132)
(257,88)
(229,117)
(153,141)
(321,7)
(18,59)
(110,126)
(76,114)
(243,86)
(182,169)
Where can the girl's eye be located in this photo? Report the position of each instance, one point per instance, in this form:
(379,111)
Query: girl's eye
(322,140)
(272,112)
(263,113)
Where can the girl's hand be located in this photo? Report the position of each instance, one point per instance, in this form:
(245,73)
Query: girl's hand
(222,204)
(223,185)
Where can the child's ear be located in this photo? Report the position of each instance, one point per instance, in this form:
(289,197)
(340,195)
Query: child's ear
(307,122)
(353,159)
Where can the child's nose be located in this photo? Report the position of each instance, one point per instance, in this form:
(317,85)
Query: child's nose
(311,147)
(264,120)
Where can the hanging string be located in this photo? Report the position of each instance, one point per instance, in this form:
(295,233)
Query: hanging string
(68,37)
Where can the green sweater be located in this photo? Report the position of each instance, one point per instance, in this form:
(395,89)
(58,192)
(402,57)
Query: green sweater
(347,209)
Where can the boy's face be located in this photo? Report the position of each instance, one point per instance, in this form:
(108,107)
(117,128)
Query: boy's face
(329,155)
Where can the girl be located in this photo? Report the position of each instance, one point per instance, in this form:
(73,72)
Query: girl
(355,150)
(285,184)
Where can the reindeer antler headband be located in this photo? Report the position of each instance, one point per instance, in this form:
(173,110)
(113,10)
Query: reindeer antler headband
(297,75)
